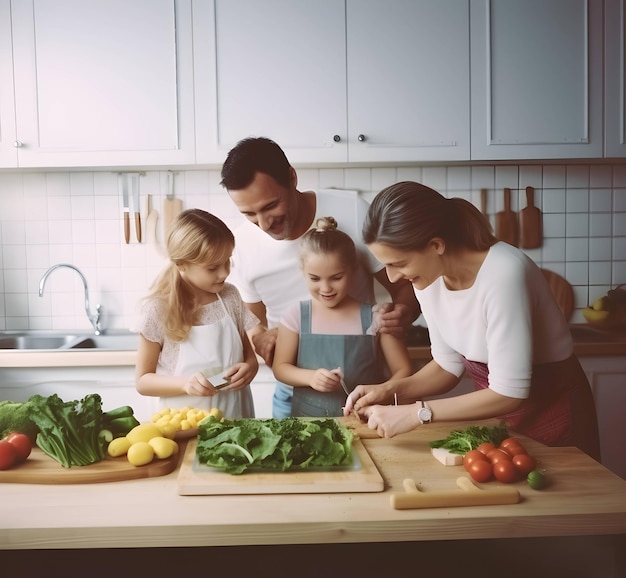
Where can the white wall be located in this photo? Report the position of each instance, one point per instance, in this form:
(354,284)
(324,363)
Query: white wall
(75,217)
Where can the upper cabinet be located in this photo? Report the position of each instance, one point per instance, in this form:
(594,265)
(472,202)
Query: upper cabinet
(615,75)
(97,84)
(536,74)
(8,154)
(336,80)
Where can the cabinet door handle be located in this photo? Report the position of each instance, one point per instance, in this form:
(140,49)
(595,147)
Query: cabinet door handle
(361,138)
(17,144)
(337,138)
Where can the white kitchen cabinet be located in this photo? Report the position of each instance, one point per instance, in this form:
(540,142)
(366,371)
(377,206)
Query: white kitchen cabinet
(8,153)
(615,78)
(607,376)
(536,79)
(100,84)
(336,80)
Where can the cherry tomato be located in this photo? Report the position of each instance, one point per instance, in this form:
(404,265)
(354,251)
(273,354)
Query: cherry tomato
(486,447)
(506,472)
(22,444)
(498,455)
(524,463)
(481,471)
(508,442)
(513,446)
(471,457)
(8,455)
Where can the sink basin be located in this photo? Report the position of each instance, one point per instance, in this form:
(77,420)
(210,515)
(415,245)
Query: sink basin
(34,341)
(46,340)
(115,342)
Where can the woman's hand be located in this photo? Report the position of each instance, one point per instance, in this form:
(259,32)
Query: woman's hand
(365,395)
(239,375)
(199,385)
(325,380)
(391,420)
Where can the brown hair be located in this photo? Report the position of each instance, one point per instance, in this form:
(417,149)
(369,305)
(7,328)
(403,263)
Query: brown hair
(408,215)
(195,237)
(325,238)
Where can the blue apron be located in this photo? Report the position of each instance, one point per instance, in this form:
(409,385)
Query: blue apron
(357,355)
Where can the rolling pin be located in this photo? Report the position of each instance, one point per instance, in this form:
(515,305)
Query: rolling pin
(469,495)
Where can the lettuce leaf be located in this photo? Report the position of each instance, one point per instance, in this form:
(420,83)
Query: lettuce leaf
(273,444)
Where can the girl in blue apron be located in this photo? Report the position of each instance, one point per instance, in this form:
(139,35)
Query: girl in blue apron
(328,345)
(192,328)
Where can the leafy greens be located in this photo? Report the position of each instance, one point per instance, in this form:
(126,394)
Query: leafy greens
(273,444)
(462,441)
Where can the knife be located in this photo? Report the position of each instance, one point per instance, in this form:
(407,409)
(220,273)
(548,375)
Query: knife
(126,208)
(136,207)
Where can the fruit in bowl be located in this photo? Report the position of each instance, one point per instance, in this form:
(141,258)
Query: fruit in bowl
(608,311)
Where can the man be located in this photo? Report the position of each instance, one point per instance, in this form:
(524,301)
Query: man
(266,270)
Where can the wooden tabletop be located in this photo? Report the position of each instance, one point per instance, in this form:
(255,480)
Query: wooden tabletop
(583,498)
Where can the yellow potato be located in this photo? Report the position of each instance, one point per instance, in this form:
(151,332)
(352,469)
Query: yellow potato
(143,432)
(163,447)
(140,453)
(118,447)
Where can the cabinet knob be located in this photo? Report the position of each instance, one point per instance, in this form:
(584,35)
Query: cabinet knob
(17,144)
(361,138)
(337,138)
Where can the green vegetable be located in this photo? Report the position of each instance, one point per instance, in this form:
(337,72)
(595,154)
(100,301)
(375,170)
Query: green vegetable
(462,441)
(536,480)
(69,432)
(120,420)
(273,444)
(14,417)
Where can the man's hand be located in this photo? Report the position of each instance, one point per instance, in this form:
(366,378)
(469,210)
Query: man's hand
(264,343)
(393,318)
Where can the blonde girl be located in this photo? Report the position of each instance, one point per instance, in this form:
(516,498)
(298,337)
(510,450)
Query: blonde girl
(332,335)
(192,327)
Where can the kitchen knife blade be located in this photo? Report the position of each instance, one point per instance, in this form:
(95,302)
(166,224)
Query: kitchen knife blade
(136,206)
(124,182)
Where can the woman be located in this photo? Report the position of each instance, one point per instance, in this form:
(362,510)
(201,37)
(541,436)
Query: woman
(489,312)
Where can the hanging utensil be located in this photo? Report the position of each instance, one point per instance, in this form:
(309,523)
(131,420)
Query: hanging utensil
(171,205)
(531,234)
(483,202)
(123,183)
(506,222)
(136,206)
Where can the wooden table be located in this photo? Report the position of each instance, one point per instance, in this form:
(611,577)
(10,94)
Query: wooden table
(584,502)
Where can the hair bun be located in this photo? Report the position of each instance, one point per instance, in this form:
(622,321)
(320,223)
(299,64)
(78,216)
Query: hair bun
(325,224)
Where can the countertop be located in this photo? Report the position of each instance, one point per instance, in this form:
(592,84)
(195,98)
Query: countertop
(583,499)
(588,341)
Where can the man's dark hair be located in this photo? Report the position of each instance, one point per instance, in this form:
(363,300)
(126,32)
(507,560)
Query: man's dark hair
(255,155)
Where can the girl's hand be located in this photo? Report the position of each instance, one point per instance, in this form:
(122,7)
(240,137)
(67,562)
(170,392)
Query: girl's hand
(199,385)
(239,375)
(325,380)
(391,420)
(366,395)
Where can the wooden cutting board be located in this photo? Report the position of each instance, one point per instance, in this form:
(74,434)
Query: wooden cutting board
(195,480)
(506,222)
(531,230)
(563,292)
(41,469)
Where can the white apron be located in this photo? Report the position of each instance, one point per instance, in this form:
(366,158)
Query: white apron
(212,349)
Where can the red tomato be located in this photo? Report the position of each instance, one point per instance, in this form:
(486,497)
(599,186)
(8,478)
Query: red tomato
(8,455)
(486,447)
(481,471)
(22,444)
(513,446)
(524,463)
(471,457)
(498,455)
(506,472)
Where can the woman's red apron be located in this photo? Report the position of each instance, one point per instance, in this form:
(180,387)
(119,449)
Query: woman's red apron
(560,410)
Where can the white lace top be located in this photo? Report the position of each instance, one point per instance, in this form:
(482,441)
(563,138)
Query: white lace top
(150,324)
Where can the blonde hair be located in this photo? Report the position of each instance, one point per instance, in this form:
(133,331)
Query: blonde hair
(326,238)
(195,237)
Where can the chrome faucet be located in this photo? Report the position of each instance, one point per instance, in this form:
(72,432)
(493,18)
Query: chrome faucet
(94,319)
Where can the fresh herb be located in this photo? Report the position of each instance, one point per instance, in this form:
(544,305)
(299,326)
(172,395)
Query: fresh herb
(69,432)
(273,444)
(462,441)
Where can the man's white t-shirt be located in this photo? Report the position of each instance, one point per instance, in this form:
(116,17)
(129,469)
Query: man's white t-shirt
(265,269)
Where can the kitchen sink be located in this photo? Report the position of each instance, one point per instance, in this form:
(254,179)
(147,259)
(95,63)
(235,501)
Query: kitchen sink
(53,340)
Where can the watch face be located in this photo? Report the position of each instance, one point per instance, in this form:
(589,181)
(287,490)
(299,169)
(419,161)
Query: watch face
(425,415)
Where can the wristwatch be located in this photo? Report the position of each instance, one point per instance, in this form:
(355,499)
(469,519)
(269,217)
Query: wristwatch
(424,413)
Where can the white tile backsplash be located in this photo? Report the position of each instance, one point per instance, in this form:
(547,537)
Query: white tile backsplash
(75,217)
